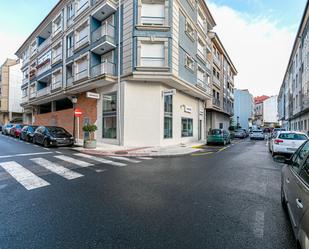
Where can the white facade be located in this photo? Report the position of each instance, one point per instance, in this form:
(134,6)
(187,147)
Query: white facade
(15,94)
(270,110)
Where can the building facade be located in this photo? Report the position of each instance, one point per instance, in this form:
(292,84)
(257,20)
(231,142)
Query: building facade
(142,71)
(10,93)
(259,110)
(243,108)
(293,99)
(270,112)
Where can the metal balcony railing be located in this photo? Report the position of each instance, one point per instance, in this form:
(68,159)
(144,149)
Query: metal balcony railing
(106,30)
(104,68)
(216,102)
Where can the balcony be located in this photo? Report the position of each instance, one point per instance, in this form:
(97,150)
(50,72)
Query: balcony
(32,95)
(25,99)
(81,75)
(216,102)
(70,52)
(43,67)
(216,81)
(105,9)
(82,41)
(217,61)
(70,81)
(105,36)
(208,66)
(25,61)
(56,85)
(44,44)
(103,69)
(56,58)
(44,91)
(33,51)
(24,81)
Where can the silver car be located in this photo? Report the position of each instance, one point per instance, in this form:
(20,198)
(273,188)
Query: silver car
(295,193)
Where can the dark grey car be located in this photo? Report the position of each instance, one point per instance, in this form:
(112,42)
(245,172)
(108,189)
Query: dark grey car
(295,193)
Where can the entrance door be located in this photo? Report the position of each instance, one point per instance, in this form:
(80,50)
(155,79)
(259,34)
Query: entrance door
(200,130)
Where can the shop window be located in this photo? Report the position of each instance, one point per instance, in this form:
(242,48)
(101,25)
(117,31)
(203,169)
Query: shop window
(168,116)
(110,116)
(187,127)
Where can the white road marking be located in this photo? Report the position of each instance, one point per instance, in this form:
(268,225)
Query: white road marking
(101,160)
(100,170)
(258,228)
(74,161)
(46,149)
(36,145)
(26,154)
(27,143)
(23,176)
(144,158)
(20,141)
(124,159)
(56,168)
(58,152)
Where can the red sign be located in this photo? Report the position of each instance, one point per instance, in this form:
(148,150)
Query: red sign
(78,112)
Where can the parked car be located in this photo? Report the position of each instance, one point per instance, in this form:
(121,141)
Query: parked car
(52,136)
(16,129)
(257,135)
(286,142)
(295,195)
(240,133)
(1,126)
(27,133)
(218,136)
(247,132)
(7,128)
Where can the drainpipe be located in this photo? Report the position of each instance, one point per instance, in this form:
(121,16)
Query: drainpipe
(119,75)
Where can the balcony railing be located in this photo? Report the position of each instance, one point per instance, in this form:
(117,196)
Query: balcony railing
(103,68)
(81,42)
(106,30)
(44,44)
(152,20)
(24,99)
(69,81)
(56,57)
(58,29)
(216,102)
(43,91)
(216,80)
(32,95)
(56,85)
(81,75)
(43,67)
(217,61)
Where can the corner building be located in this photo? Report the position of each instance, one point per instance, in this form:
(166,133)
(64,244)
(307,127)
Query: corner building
(149,63)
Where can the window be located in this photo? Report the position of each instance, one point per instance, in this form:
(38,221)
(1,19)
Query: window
(201,48)
(81,68)
(110,116)
(201,76)
(201,20)
(57,25)
(81,36)
(153,13)
(220,125)
(57,53)
(190,30)
(304,174)
(189,62)
(152,54)
(187,127)
(292,136)
(82,5)
(299,156)
(70,45)
(168,116)
(24,92)
(70,12)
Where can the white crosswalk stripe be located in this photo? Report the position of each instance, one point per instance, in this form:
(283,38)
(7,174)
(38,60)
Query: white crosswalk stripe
(56,168)
(74,161)
(101,160)
(124,159)
(144,158)
(23,176)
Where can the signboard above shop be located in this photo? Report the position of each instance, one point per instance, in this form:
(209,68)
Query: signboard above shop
(169,92)
(92,95)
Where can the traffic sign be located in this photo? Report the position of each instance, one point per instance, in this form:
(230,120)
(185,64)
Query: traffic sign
(78,112)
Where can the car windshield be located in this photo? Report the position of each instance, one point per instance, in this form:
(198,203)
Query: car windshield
(257,131)
(9,125)
(215,132)
(293,136)
(32,128)
(57,131)
(19,126)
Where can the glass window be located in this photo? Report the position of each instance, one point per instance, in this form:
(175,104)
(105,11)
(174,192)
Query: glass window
(304,173)
(153,13)
(152,54)
(168,116)
(110,116)
(299,156)
(292,136)
(187,127)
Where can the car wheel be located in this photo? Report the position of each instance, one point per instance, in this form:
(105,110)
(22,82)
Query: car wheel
(46,144)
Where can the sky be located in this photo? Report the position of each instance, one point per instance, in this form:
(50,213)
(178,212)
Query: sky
(257,34)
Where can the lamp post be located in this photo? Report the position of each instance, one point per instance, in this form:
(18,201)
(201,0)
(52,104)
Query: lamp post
(237,122)
(74,101)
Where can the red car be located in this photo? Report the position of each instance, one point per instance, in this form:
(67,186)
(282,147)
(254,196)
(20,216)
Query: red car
(16,130)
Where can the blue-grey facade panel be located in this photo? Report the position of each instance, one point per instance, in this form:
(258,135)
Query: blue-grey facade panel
(184,72)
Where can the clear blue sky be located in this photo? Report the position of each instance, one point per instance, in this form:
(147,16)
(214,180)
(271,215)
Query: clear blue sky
(25,15)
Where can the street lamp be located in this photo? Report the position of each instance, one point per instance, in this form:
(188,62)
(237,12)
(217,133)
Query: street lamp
(237,122)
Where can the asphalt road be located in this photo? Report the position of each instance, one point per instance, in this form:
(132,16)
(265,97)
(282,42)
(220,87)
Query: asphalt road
(218,198)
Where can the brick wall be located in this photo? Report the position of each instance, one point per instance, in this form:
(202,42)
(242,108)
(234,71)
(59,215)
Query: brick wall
(64,118)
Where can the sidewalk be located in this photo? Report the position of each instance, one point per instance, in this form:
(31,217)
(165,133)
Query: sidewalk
(166,151)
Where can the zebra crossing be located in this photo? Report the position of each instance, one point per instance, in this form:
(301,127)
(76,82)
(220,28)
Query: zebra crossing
(61,165)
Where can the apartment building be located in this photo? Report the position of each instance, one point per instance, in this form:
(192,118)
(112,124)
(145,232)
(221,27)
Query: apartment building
(293,99)
(141,72)
(243,108)
(259,110)
(220,109)
(10,93)
(270,112)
